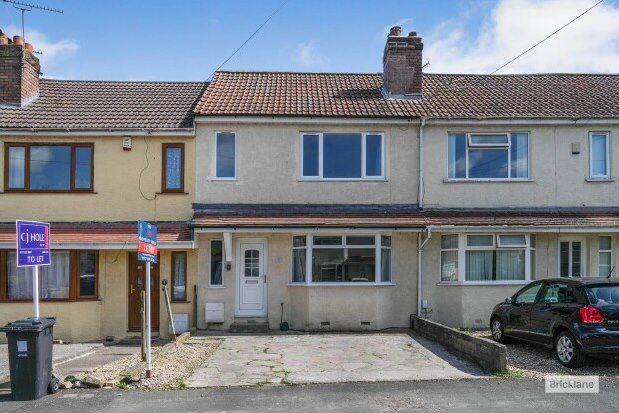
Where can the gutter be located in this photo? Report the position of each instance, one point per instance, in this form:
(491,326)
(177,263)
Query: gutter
(420,195)
(190,132)
(419,265)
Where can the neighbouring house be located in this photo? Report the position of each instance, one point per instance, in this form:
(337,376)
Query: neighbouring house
(333,201)
(93,157)
(351,200)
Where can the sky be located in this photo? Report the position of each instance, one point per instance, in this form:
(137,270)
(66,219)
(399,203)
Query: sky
(189,39)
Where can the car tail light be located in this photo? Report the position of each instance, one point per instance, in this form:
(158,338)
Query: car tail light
(591,314)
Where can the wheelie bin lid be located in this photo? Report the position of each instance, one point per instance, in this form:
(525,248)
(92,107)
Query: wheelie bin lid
(30,324)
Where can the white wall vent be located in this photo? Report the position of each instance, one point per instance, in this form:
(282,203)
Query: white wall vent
(214,312)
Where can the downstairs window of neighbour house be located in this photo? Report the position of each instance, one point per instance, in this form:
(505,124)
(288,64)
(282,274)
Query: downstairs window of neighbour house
(342,155)
(605,256)
(488,257)
(342,258)
(71,275)
(179,276)
(488,156)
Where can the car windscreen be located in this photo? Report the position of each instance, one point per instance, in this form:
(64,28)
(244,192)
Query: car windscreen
(603,294)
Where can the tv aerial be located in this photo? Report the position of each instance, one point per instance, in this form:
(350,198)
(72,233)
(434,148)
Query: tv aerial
(24,7)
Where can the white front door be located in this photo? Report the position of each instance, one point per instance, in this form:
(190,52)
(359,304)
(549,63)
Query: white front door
(251,274)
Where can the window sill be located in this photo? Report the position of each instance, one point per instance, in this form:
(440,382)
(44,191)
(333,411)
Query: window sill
(467,283)
(53,300)
(180,302)
(48,192)
(600,180)
(343,284)
(224,179)
(468,181)
(216,287)
(342,180)
(172,193)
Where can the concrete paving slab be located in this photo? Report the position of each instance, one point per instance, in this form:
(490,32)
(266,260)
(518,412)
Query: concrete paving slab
(329,358)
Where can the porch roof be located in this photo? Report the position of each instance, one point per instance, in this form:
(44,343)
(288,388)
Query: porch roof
(397,216)
(107,235)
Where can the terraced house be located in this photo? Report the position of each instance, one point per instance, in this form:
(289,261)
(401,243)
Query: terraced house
(333,201)
(92,158)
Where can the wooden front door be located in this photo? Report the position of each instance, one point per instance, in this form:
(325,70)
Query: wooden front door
(137,277)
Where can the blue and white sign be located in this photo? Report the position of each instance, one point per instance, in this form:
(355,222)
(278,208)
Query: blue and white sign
(147,242)
(33,241)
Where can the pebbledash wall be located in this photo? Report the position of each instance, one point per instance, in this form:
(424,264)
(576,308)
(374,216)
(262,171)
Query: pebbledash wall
(307,306)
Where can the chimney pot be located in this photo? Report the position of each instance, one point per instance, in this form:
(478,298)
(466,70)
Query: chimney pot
(412,34)
(395,31)
(29,47)
(18,40)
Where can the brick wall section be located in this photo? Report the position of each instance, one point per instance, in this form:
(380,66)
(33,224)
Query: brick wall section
(402,62)
(19,75)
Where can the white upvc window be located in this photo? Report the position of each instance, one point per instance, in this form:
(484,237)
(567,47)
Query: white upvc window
(488,156)
(342,156)
(216,263)
(605,262)
(572,257)
(599,155)
(487,258)
(338,259)
(225,156)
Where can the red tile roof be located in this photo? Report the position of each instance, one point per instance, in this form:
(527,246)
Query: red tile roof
(445,96)
(104,232)
(76,104)
(407,218)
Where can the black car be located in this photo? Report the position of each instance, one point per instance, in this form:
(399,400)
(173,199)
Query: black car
(576,317)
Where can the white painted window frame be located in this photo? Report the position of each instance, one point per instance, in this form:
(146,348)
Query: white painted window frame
(608,251)
(583,256)
(457,258)
(607,139)
(215,177)
(463,247)
(377,264)
(210,266)
(508,147)
(364,176)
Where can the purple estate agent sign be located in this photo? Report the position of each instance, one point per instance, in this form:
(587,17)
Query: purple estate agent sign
(33,240)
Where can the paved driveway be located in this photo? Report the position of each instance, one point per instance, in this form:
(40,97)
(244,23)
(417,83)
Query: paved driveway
(328,358)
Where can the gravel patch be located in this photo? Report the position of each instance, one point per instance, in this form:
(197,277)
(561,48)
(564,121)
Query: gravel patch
(535,362)
(172,364)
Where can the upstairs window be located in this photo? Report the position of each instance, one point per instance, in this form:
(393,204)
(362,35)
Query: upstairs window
(225,162)
(488,156)
(48,167)
(173,167)
(342,156)
(599,158)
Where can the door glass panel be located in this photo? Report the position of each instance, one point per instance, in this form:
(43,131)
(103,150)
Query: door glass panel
(252,263)
(576,259)
(565,259)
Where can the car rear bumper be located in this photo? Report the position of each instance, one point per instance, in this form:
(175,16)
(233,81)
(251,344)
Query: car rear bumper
(598,339)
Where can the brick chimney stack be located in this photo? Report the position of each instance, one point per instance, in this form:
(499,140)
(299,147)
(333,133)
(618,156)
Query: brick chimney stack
(19,72)
(402,61)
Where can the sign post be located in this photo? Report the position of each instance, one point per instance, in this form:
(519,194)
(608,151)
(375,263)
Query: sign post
(33,240)
(147,252)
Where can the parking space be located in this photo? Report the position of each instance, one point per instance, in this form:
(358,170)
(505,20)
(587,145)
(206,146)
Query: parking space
(329,358)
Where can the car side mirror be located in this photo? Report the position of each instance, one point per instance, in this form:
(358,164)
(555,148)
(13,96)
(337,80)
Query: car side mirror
(508,300)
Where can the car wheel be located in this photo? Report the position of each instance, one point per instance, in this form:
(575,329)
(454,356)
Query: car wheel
(497,330)
(567,351)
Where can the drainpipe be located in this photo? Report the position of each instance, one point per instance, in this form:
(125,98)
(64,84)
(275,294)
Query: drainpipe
(420,195)
(420,246)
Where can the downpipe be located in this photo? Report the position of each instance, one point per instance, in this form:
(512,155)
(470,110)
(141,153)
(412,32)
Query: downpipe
(420,245)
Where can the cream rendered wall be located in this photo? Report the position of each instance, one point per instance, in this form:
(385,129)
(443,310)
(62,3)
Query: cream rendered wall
(470,306)
(116,184)
(305,307)
(558,177)
(269,166)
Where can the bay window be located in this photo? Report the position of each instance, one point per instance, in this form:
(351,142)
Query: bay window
(487,258)
(488,156)
(341,259)
(342,155)
(72,275)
